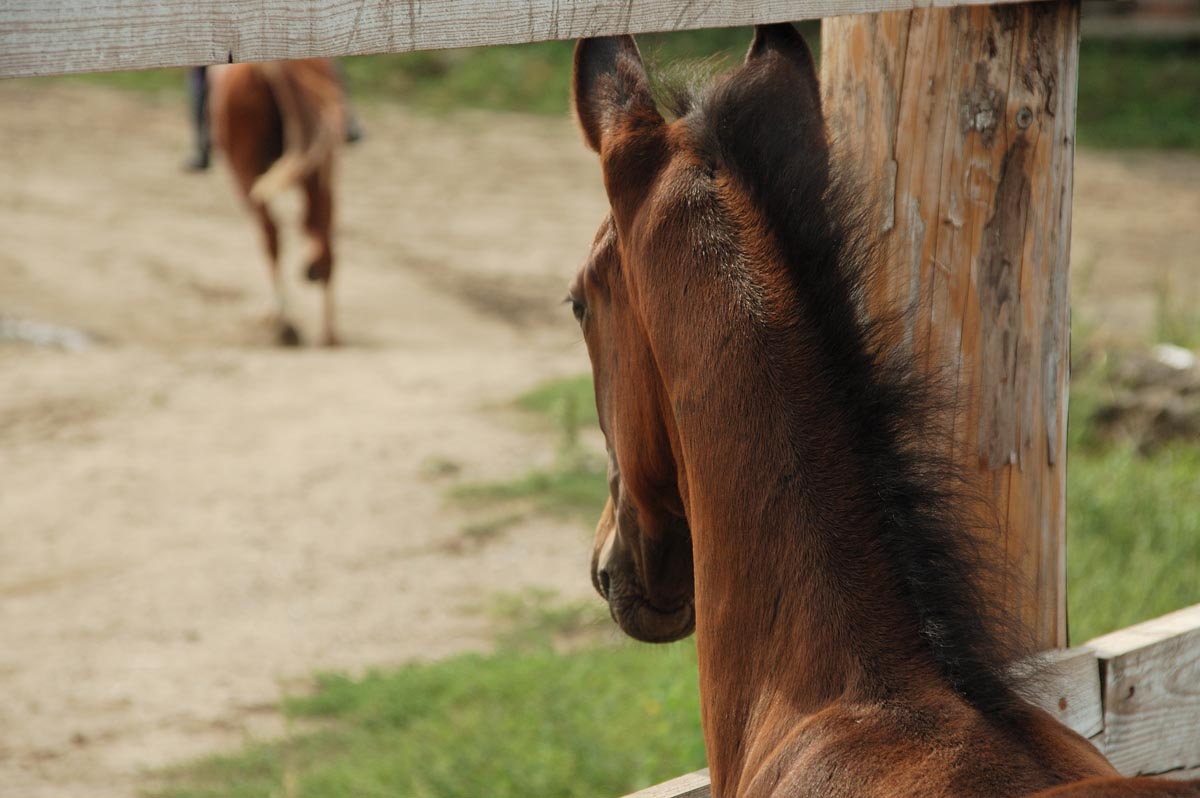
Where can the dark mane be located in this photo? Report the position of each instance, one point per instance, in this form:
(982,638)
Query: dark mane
(820,225)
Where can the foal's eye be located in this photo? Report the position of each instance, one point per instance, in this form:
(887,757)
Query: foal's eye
(577,306)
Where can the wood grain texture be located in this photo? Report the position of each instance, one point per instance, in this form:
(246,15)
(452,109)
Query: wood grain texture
(963,121)
(1151,684)
(1183,774)
(691,785)
(51,37)
(1068,687)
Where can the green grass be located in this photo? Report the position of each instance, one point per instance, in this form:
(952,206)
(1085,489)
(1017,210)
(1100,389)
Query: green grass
(573,488)
(1139,94)
(535,619)
(1133,524)
(531,78)
(1133,537)
(150,81)
(514,724)
(570,401)
(575,485)
(1176,312)
(528,78)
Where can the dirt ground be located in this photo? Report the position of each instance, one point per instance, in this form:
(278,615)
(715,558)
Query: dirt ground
(192,520)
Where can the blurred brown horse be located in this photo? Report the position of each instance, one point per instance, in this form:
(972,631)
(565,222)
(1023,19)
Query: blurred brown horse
(770,480)
(280,124)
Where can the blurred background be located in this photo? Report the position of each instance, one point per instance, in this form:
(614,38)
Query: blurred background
(233,569)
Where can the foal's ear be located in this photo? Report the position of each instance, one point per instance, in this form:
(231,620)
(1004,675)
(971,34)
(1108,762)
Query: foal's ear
(611,88)
(785,42)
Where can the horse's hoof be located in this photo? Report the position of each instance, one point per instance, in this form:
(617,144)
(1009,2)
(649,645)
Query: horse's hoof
(288,336)
(332,341)
(317,272)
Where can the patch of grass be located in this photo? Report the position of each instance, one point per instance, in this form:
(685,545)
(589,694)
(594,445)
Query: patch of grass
(509,725)
(1137,94)
(1176,318)
(535,619)
(1133,537)
(569,400)
(150,81)
(532,78)
(529,78)
(1133,523)
(575,487)
(1090,388)
(259,771)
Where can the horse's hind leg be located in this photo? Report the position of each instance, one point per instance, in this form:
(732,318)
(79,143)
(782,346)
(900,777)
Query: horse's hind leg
(286,333)
(318,224)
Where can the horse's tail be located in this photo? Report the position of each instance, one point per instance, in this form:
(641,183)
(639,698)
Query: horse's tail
(310,105)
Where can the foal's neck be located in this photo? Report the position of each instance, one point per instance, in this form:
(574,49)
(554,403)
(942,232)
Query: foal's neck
(798,605)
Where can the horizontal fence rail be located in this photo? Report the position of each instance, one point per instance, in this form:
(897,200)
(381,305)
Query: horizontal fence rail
(1141,19)
(53,37)
(1134,693)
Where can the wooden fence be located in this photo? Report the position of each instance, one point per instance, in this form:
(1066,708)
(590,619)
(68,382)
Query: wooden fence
(53,37)
(1134,693)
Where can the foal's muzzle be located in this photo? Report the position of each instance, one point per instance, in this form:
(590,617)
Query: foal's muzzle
(631,605)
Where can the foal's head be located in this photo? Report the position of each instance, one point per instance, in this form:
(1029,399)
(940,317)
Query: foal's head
(678,219)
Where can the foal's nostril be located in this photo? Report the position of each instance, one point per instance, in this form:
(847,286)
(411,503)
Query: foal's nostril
(603,583)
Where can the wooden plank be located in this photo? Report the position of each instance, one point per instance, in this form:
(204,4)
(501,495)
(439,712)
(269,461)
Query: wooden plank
(1152,28)
(966,116)
(1140,19)
(49,37)
(1151,688)
(1182,622)
(691,785)
(1067,683)
(1131,19)
(1176,9)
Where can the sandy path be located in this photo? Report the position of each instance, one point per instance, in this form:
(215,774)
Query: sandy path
(192,520)
(1136,234)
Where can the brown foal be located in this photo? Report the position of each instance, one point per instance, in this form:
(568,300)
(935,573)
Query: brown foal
(771,487)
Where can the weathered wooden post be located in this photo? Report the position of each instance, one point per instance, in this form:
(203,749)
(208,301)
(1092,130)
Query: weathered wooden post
(964,120)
